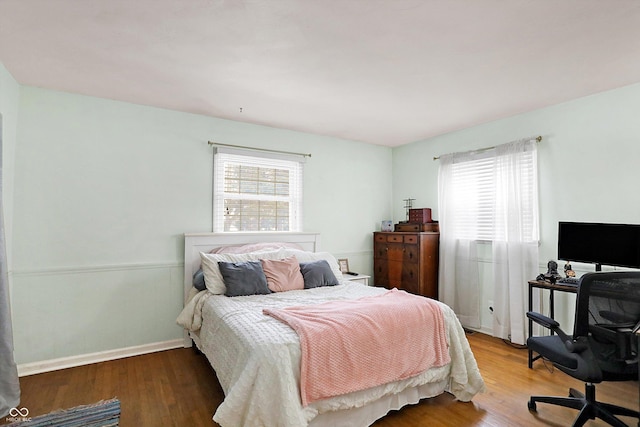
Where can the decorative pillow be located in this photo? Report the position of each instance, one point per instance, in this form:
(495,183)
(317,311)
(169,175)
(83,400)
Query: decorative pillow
(304,256)
(198,280)
(213,278)
(283,275)
(317,273)
(243,278)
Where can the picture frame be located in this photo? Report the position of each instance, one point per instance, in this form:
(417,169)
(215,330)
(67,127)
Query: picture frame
(344,265)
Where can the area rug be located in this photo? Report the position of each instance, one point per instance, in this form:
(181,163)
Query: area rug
(105,413)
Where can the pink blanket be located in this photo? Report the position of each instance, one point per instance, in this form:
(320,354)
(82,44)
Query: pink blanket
(352,345)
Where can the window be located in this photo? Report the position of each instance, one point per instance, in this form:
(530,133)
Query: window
(482,187)
(491,196)
(256,191)
(471,197)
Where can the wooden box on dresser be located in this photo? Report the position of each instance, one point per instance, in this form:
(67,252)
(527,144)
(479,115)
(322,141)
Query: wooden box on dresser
(407,260)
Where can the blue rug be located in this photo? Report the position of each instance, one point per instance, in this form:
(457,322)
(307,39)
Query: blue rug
(105,413)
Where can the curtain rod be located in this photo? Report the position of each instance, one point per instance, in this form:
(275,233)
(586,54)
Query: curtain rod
(259,149)
(480,150)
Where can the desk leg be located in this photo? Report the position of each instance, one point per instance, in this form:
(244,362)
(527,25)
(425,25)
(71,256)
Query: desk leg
(530,325)
(552,306)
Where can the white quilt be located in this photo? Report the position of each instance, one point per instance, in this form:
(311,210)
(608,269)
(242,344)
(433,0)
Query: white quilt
(257,358)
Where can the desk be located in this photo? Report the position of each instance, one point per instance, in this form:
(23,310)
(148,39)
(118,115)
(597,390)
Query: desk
(541,284)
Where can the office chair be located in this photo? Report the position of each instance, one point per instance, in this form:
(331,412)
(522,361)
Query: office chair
(603,346)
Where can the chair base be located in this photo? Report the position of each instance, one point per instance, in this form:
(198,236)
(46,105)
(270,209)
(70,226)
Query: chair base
(588,406)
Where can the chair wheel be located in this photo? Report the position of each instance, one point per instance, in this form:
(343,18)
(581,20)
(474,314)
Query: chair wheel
(532,406)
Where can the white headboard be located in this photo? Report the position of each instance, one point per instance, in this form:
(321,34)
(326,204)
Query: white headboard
(194,243)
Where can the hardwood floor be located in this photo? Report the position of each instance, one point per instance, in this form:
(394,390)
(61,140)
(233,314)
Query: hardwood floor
(179,388)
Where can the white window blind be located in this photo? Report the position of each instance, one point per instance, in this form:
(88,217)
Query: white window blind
(256,191)
(480,187)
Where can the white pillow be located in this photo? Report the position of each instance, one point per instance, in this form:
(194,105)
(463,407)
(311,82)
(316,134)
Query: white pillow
(304,256)
(212,276)
(254,247)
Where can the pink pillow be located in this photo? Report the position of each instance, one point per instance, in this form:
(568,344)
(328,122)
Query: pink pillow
(283,275)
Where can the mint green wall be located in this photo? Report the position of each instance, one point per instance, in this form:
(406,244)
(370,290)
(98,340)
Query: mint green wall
(98,194)
(104,191)
(588,165)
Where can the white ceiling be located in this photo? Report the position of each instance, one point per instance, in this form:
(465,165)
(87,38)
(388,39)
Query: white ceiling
(385,72)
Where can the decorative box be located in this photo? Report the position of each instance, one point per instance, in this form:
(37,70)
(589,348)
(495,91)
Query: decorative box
(420,216)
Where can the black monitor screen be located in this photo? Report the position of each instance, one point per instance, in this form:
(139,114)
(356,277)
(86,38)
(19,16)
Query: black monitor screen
(605,244)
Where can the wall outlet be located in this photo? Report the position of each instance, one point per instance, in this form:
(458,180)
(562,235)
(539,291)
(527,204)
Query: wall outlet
(490,306)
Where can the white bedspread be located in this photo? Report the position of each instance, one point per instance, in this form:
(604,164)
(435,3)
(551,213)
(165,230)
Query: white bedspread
(257,358)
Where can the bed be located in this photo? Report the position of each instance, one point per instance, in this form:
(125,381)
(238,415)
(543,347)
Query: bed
(257,358)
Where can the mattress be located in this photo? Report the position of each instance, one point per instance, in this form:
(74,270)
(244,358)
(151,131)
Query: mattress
(257,359)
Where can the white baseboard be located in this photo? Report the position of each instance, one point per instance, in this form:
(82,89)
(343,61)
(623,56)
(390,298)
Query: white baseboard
(482,330)
(102,356)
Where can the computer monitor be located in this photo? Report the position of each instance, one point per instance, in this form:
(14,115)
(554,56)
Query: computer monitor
(600,244)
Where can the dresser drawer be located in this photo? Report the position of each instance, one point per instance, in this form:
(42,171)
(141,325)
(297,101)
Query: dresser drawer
(411,239)
(411,254)
(390,238)
(407,227)
(381,274)
(402,276)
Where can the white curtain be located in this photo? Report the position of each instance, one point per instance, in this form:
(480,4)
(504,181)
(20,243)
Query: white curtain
(515,249)
(489,196)
(458,285)
(9,385)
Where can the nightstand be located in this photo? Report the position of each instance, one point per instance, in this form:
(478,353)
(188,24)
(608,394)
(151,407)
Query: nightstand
(362,278)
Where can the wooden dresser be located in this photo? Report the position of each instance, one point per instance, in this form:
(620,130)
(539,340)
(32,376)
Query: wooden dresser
(407,260)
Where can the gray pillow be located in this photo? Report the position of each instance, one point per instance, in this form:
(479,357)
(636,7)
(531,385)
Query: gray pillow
(198,280)
(317,273)
(243,278)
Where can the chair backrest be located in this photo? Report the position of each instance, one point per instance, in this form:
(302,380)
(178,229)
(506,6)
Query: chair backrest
(607,310)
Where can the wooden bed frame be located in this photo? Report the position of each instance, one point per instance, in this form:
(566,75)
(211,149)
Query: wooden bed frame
(365,415)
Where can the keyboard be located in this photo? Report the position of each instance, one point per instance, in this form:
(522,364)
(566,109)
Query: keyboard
(568,281)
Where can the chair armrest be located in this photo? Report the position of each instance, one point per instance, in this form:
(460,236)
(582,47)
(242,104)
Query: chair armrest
(549,323)
(619,335)
(543,320)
